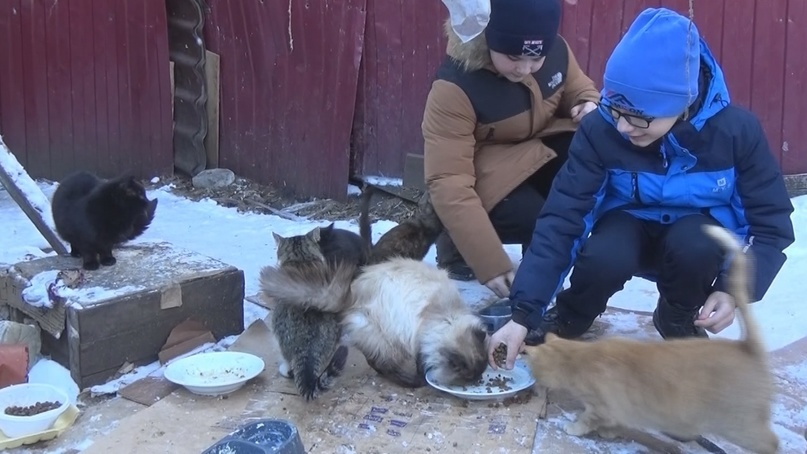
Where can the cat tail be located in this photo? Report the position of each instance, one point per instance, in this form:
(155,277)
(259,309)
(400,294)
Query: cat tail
(739,285)
(318,286)
(365,229)
(305,370)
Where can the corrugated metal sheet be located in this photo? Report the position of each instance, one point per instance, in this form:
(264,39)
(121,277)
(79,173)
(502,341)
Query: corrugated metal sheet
(759,43)
(288,87)
(186,48)
(84,84)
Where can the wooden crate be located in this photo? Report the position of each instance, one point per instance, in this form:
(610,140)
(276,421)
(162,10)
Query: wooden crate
(124,313)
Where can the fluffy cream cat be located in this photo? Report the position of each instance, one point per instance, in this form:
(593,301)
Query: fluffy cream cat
(685,387)
(407,318)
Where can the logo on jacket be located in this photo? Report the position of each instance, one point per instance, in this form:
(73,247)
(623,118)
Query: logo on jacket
(556,80)
(532,47)
(721,185)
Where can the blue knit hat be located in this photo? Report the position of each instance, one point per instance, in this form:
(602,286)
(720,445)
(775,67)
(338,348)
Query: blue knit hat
(523,27)
(647,71)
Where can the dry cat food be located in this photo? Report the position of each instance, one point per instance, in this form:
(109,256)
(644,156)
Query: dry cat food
(500,355)
(31,410)
(498,382)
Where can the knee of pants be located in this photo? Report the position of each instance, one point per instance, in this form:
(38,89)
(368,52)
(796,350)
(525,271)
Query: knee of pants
(599,264)
(689,249)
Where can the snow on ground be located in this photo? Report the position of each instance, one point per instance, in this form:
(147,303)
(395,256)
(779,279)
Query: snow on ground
(245,241)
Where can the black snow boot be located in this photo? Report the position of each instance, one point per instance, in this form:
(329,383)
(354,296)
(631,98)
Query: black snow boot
(563,326)
(675,322)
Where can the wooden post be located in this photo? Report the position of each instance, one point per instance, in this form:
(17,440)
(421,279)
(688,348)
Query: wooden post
(29,197)
(212,138)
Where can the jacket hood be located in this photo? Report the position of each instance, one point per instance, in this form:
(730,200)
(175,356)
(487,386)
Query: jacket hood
(473,55)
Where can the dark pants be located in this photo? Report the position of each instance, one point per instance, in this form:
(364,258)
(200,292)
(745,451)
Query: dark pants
(681,259)
(514,217)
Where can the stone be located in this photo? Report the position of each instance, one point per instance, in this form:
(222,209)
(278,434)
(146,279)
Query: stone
(213,178)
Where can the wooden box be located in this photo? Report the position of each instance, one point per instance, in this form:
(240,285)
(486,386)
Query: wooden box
(124,313)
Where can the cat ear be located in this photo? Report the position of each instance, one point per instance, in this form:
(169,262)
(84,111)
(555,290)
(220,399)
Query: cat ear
(315,234)
(328,228)
(278,238)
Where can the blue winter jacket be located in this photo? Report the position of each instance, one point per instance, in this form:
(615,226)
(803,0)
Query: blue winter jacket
(718,163)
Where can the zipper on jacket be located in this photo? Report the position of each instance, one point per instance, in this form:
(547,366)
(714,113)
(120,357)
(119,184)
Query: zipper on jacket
(663,155)
(634,178)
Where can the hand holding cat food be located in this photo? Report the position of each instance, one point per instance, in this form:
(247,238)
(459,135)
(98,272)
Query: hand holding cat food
(512,335)
(717,313)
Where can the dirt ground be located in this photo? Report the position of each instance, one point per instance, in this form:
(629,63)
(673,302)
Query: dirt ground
(247,195)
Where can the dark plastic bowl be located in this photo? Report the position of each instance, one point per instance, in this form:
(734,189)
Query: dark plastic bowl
(496,315)
(261,437)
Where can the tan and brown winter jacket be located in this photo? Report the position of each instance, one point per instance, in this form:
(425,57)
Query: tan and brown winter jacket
(483,138)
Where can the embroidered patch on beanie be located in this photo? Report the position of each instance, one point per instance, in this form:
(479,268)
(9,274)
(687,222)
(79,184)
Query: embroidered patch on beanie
(523,27)
(653,70)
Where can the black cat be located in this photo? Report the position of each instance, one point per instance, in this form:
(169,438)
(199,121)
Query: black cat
(342,246)
(95,215)
(411,238)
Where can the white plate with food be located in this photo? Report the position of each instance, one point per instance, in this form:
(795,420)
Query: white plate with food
(494,384)
(214,373)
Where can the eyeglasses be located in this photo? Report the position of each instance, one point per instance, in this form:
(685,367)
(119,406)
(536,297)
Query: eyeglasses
(637,121)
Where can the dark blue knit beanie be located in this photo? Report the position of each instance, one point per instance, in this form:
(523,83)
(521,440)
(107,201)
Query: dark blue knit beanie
(523,27)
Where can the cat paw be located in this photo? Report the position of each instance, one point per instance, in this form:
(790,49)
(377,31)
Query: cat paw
(284,369)
(94,265)
(108,261)
(74,252)
(576,428)
(607,433)
(326,382)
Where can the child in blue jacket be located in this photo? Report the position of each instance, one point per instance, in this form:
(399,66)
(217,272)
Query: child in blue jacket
(665,154)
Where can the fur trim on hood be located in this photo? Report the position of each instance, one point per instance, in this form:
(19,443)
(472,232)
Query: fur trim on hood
(473,55)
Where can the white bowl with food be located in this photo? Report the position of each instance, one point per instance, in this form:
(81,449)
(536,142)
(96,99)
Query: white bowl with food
(214,373)
(28,408)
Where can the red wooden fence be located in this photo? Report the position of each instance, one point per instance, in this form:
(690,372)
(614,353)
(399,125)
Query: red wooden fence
(312,91)
(84,84)
(288,87)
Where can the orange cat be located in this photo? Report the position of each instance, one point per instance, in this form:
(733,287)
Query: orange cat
(684,387)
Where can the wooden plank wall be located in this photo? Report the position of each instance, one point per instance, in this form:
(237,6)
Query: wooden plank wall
(84,84)
(404,46)
(288,87)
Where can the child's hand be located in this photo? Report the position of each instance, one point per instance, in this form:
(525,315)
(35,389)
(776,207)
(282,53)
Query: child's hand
(717,313)
(579,111)
(511,334)
(501,284)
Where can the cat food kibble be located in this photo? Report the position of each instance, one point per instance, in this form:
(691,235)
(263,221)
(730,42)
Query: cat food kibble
(35,409)
(500,355)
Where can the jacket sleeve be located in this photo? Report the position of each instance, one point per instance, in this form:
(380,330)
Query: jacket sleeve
(564,222)
(767,206)
(449,144)
(579,88)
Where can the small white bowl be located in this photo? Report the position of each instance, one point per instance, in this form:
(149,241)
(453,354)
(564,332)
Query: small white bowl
(24,395)
(214,373)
